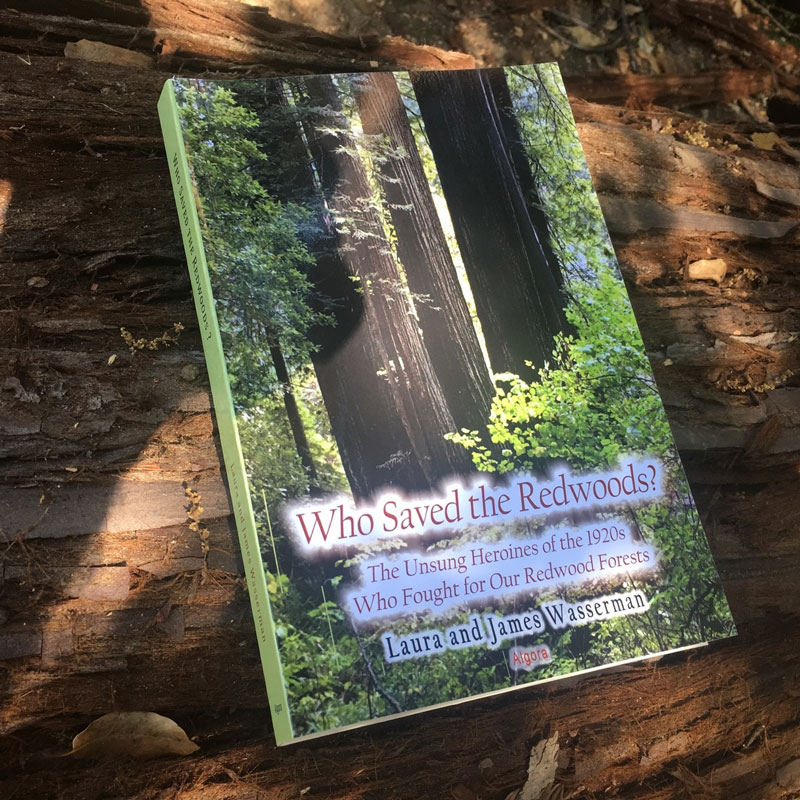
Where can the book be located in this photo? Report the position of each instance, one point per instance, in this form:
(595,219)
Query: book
(448,461)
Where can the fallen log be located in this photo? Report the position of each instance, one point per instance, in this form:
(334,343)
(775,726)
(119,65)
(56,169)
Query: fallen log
(108,601)
(713,24)
(682,90)
(213,34)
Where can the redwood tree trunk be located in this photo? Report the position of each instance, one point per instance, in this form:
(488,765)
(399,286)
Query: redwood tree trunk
(448,331)
(511,132)
(373,444)
(387,322)
(518,299)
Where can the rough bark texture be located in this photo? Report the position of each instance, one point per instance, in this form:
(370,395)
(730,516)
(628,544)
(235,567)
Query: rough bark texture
(402,359)
(441,309)
(107,600)
(688,89)
(518,300)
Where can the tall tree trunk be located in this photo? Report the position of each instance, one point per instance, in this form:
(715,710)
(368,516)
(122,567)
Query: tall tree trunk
(293,415)
(512,139)
(388,316)
(443,315)
(373,444)
(519,302)
(375,449)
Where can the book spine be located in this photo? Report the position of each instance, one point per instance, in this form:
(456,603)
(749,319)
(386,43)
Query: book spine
(224,412)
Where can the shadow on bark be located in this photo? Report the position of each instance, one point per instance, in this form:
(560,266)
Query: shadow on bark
(107,601)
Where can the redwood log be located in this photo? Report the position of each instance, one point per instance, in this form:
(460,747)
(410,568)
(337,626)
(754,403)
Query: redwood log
(713,24)
(108,601)
(691,89)
(209,34)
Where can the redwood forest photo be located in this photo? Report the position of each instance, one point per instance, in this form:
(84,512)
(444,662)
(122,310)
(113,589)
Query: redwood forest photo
(414,286)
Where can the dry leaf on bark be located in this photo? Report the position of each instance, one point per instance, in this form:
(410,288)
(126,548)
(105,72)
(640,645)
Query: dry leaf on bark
(541,769)
(584,37)
(737,6)
(788,776)
(138,734)
(766,141)
(707,269)
(86,50)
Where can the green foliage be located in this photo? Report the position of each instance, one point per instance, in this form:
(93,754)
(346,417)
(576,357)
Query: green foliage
(273,464)
(274,469)
(257,262)
(595,402)
(320,662)
(560,171)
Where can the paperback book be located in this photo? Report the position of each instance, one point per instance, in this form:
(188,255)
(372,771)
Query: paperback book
(448,461)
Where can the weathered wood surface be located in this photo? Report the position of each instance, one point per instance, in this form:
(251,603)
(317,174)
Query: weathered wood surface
(684,89)
(107,601)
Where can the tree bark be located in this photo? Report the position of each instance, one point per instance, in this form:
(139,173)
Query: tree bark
(692,89)
(519,302)
(103,605)
(448,332)
(210,35)
(373,444)
(402,361)
(293,415)
(511,134)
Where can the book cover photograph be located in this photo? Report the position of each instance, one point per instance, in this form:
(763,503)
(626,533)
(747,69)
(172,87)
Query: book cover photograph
(449,464)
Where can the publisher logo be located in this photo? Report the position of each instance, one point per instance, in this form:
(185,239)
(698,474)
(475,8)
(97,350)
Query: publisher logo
(529,658)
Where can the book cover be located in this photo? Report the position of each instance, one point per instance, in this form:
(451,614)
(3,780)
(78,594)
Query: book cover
(449,464)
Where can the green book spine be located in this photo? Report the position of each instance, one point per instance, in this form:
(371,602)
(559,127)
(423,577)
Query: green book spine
(223,408)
